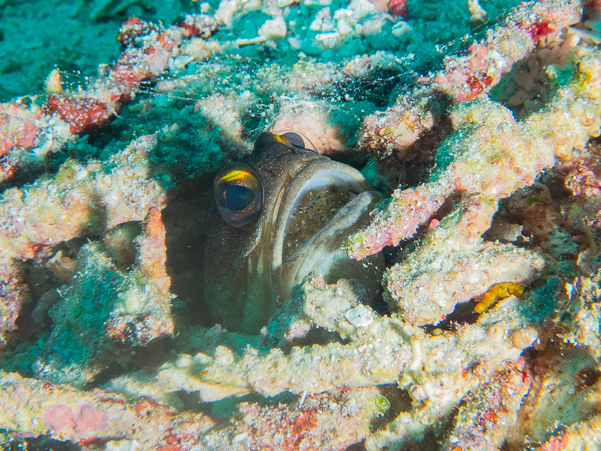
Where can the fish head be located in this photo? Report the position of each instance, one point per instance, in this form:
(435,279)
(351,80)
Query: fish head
(283,212)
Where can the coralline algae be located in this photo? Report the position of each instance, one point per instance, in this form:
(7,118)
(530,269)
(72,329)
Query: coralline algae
(498,159)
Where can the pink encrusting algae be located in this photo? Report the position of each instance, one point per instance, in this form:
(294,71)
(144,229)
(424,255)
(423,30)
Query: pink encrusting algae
(38,130)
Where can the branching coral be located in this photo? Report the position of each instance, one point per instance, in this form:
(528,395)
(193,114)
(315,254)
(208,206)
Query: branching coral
(446,269)
(326,356)
(464,78)
(499,156)
(27,134)
(493,160)
(36,408)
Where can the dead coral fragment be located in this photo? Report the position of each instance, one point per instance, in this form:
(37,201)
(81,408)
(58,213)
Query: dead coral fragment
(340,310)
(13,295)
(327,421)
(448,266)
(484,420)
(582,436)
(34,408)
(17,129)
(152,257)
(103,311)
(556,399)
(584,177)
(528,25)
(587,293)
(439,376)
(79,200)
(395,130)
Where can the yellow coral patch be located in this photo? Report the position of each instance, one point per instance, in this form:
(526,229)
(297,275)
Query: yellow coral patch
(496,293)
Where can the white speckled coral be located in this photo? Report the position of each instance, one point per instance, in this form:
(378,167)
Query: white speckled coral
(328,388)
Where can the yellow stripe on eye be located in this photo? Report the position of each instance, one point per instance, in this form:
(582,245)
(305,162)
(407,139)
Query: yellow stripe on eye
(283,140)
(236,175)
(240,175)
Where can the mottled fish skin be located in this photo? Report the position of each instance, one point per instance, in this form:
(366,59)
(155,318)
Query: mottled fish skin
(250,269)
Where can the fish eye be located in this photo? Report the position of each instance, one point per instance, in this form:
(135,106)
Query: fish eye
(239,195)
(295,139)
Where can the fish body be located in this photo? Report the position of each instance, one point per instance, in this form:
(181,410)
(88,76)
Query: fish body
(284,212)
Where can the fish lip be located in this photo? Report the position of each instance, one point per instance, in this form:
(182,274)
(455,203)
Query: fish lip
(330,240)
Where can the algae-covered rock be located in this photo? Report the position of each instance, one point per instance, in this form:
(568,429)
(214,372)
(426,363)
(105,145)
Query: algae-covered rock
(101,315)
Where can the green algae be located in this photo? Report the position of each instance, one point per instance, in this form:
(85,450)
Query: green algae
(540,304)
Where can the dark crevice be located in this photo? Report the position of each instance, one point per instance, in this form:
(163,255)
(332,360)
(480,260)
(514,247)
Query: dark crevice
(399,401)
(41,443)
(223,409)
(463,314)
(185,225)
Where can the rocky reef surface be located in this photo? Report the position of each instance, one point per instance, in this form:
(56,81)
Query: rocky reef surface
(483,135)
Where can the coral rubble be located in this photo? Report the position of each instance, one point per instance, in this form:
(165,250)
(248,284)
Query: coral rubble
(491,333)
(80,199)
(61,412)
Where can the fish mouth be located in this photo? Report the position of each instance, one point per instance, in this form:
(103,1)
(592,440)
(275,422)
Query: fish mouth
(327,204)
(316,205)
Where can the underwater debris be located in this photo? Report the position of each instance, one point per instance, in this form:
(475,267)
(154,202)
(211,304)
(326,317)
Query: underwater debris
(473,369)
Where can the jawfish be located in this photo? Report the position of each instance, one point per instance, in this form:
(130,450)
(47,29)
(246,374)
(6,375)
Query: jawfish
(284,212)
